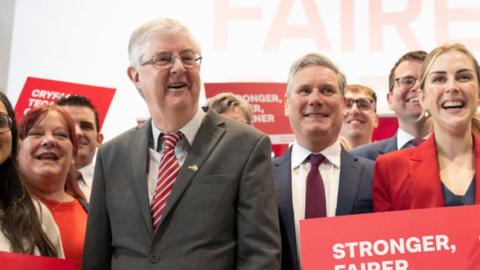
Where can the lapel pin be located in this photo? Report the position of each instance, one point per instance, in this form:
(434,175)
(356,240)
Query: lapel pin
(193,167)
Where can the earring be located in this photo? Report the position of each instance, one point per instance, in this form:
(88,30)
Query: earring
(426,114)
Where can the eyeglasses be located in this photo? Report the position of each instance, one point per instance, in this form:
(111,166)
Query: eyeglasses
(362,103)
(165,60)
(5,123)
(406,82)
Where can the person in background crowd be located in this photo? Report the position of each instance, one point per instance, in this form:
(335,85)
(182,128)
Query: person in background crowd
(89,137)
(443,171)
(344,142)
(47,149)
(403,101)
(360,115)
(232,106)
(316,177)
(26,225)
(208,201)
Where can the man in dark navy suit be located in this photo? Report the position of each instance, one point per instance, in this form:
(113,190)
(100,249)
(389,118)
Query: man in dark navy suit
(317,177)
(403,101)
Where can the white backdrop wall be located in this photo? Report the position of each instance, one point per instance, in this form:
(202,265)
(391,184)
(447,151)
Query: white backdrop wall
(6,26)
(85,41)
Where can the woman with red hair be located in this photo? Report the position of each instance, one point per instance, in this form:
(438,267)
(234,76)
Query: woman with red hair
(47,150)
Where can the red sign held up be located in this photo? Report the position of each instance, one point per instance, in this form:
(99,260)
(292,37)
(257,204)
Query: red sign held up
(37,92)
(15,261)
(266,100)
(435,238)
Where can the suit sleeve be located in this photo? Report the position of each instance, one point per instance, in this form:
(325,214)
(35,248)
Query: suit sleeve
(382,200)
(258,232)
(97,249)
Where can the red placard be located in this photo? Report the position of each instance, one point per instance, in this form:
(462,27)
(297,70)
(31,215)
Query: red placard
(387,126)
(38,92)
(15,261)
(266,100)
(435,238)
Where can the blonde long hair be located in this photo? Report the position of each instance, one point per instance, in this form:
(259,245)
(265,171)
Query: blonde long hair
(427,65)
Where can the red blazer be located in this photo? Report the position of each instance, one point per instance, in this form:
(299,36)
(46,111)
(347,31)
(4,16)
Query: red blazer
(410,178)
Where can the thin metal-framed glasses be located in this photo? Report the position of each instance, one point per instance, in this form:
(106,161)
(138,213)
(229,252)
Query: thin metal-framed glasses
(406,82)
(5,123)
(165,60)
(362,103)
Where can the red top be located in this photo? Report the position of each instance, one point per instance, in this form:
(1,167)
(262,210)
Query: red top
(410,178)
(71,219)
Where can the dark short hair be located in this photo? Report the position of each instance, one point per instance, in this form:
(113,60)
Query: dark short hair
(81,101)
(409,56)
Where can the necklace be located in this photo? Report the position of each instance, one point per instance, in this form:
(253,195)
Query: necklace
(52,204)
(56,206)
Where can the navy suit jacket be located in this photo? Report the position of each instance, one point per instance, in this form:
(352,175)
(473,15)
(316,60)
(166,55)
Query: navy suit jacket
(373,150)
(354,197)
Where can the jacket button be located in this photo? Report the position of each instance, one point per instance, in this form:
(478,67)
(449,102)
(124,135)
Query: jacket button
(154,258)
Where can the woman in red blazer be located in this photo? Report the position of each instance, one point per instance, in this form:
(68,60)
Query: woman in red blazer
(444,170)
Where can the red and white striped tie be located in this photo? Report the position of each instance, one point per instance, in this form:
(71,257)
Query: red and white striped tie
(167,173)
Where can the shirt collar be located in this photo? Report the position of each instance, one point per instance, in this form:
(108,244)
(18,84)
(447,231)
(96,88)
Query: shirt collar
(404,137)
(87,171)
(189,130)
(331,153)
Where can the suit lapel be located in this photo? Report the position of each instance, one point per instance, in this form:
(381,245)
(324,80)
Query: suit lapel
(206,139)
(140,155)
(349,180)
(282,174)
(425,174)
(476,141)
(390,145)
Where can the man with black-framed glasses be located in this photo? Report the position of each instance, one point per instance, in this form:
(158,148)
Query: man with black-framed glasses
(180,191)
(403,101)
(360,115)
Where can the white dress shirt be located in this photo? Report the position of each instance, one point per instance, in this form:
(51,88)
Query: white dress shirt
(404,137)
(189,132)
(330,172)
(85,183)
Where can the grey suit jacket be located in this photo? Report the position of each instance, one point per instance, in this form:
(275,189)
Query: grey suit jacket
(221,215)
(354,197)
(373,150)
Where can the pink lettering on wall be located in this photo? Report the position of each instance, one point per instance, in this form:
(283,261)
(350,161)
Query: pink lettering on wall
(280,29)
(347,25)
(399,20)
(225,13)
(445,15)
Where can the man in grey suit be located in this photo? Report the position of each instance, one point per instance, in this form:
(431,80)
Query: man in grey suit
(403,101)
(314,104)
(220,210)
